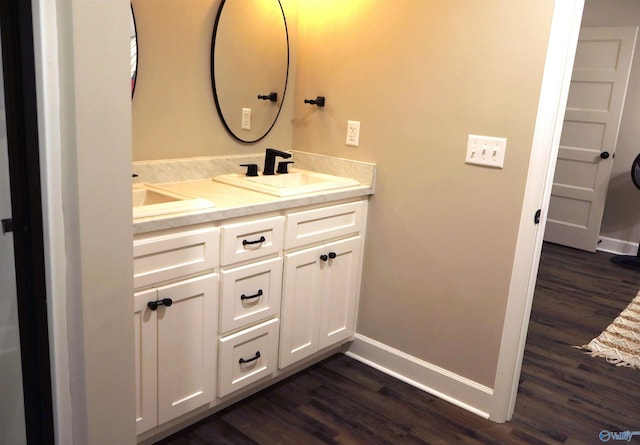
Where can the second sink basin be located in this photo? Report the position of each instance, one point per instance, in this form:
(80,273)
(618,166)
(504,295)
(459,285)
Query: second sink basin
(149,200)
(293,183)
(145,196)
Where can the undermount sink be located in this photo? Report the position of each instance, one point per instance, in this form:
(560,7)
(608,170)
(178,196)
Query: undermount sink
(149,200)
(295,182)
(145,196)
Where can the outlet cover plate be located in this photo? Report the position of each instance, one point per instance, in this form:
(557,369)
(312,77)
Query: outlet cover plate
(246,118)
(486,150)
(353,133)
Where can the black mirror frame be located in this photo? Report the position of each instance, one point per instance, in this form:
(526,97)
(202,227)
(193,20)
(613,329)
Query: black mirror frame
(134,74)
(213,80)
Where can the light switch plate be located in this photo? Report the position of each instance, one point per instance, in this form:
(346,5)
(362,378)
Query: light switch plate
(486,150)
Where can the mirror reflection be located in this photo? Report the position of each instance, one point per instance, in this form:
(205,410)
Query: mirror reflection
(134,50)
(249,66)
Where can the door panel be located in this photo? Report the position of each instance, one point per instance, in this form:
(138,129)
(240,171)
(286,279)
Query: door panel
(12,424)
(146,358)
(301,305)
(187,346)
(340,292)
(592,120)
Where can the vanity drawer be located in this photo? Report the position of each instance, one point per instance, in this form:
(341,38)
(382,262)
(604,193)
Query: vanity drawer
(251,240)
(172,254)
(247,356)
(250,294)
(319,225)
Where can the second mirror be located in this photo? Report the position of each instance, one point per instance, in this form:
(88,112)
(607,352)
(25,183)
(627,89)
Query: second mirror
(249,66)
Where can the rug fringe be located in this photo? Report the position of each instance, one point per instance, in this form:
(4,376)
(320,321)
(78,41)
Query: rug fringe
(614,361)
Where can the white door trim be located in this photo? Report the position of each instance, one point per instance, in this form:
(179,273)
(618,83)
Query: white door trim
(46,45)
(563,39)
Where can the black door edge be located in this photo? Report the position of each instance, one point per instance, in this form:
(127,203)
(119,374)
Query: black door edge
(16,27)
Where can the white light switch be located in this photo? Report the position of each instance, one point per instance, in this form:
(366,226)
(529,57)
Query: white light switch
(486,150)
(246,118)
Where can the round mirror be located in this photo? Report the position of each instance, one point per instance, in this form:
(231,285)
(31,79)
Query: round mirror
(134,51)
(249,66)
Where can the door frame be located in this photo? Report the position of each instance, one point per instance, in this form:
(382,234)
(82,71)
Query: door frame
(16,28)
(561,49)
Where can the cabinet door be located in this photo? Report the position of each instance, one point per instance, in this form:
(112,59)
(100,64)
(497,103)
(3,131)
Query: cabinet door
(301,305)
(146,359)
(340,290)
(187,346)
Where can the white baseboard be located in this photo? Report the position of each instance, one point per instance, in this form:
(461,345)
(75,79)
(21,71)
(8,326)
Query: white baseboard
(430,378)
(617,246)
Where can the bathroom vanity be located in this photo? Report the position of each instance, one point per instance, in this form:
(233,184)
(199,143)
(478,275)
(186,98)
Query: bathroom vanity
(232,297)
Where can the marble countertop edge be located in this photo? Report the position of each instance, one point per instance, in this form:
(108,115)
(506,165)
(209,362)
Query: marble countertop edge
(244,203)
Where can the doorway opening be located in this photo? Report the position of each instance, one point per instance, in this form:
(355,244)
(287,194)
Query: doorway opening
(24,224)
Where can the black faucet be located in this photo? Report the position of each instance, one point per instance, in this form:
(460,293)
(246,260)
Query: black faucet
(270,160)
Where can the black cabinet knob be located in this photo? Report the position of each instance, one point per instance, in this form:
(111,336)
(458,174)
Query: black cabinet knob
(331,255)
(153,305)
(604,155)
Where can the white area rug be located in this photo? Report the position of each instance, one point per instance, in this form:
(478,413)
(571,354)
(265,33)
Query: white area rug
(620,342)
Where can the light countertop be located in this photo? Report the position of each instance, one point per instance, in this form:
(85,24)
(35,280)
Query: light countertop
(193,176)
(233,202)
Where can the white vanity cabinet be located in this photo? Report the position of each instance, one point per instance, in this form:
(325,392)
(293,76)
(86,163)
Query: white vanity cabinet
(251,285)
(222,307)
(175,316)
(322,271)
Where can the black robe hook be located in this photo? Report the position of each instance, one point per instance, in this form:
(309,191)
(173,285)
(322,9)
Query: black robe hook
(319,101)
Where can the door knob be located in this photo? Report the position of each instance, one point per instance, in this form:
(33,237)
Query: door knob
(604,155)
(7,225)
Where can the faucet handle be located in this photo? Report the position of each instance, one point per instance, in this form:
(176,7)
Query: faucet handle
(282,167)
(252,169)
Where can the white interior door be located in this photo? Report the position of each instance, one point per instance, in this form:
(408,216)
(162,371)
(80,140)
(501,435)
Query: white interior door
(589,135)
(12,426)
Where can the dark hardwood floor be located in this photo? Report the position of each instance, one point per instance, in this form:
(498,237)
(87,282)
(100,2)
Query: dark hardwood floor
(565,397)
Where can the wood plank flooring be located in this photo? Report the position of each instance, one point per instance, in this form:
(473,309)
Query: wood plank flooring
(565,396)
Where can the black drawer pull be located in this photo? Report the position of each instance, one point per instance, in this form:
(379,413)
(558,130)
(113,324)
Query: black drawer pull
(261,240)
(249,360)
(153,305)
(249,297)
(331,255)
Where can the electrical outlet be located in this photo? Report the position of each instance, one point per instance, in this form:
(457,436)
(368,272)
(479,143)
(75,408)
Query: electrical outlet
(486,150)
(246,118)
(353,133)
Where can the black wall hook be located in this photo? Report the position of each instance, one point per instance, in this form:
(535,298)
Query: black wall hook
(273,97)
(319,101)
